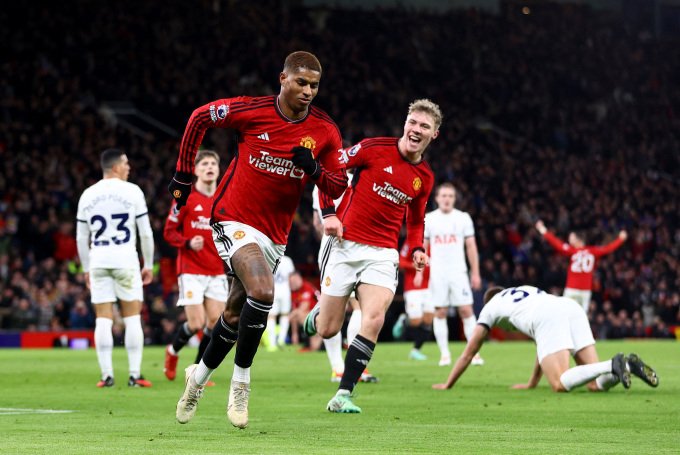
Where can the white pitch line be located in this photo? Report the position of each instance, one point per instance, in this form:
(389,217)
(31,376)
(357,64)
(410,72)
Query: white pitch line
(15,411)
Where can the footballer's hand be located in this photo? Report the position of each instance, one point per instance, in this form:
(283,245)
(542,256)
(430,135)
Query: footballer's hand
(623,235)
(475,281)
(180,188)
(147,276)
(302,158)
(439,386)
(420,260)
(540,227)
(521,386)
(333,226)
(196,243)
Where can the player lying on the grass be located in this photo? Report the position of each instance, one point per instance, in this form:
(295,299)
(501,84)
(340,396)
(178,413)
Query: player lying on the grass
(560,328)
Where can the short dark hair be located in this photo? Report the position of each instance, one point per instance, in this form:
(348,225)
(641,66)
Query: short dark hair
(301,59)
(491,292)
(109,158)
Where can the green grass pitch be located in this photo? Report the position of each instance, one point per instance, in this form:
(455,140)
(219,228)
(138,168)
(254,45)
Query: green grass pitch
(401,414)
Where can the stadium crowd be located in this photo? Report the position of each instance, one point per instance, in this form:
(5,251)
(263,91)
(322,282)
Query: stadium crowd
(563,115)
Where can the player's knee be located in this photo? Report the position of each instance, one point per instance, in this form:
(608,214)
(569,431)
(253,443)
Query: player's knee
(373,323)
(327,331)
(195,326)
(231,317)
(263,293)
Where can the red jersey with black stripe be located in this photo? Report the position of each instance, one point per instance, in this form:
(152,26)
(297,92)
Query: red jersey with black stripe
(262,188)
(582,260)
(385,188)
(184,224)
(406,266)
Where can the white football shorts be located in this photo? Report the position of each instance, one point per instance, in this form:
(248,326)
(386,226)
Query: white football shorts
(282,303)
(229,236)
(450,290)
(561,325)
(110,285)
(582,297)
(194,288)
(417,302)
(348,264)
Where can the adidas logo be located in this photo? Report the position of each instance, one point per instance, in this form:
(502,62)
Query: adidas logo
(264,136)
(388,169)
(363,362)
(198,207)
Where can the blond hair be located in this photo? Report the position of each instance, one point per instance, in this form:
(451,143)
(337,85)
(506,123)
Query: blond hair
(427,106)
(202,154)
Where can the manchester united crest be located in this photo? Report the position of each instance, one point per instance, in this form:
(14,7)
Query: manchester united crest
(239,235)
(310,143)
(417,183)
(328,281)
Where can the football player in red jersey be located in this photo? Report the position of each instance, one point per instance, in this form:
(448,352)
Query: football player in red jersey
(202,282)
(284,142)
(391,181)
(583,260)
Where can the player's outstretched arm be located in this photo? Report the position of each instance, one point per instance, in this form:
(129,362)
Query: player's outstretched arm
(473,346)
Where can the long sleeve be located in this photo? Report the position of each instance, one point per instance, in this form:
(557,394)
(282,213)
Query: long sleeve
(560,246)
(602,250)
(173,223)
(146,240)
(83,243)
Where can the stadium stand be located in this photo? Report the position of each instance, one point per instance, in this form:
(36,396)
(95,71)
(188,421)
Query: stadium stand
(564,115)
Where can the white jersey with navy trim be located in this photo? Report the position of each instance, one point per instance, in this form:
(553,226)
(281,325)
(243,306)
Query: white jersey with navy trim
(110,211)
(446,233)
(515,308)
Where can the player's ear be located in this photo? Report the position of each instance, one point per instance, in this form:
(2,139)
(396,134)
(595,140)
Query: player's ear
(282,78)
(435,135)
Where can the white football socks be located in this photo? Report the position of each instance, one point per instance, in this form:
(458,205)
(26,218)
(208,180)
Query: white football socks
(271,331)
(469,326)
(103,340)
(202,374)
(441,335)
(334,350)
(284,325)
(134,343)
(241,374)
(353,326)
(606,381)
(583,374)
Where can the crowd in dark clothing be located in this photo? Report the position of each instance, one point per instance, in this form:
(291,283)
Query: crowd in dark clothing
(563,115)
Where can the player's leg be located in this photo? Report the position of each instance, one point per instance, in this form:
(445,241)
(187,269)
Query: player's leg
(354,324)
(613,370)
(440,327)
(285,307)
(134,341)
(213,310)
(271,324)
(103,340)
(224,335)
(440,293)
(333,347)
(103,294)
(420,316)
(605,381)
(374,301)
(467,316)
(130,293)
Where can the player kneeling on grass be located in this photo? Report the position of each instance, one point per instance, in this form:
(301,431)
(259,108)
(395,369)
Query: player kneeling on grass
(560,327)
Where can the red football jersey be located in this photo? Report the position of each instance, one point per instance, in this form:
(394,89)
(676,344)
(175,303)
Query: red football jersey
(305,297)
(406,265)
(182,225)
(262,187)
(583,260)
(385,187)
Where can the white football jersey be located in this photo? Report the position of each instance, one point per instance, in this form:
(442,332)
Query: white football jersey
(514,309)
(447,233)
(283,272)
(110,209)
